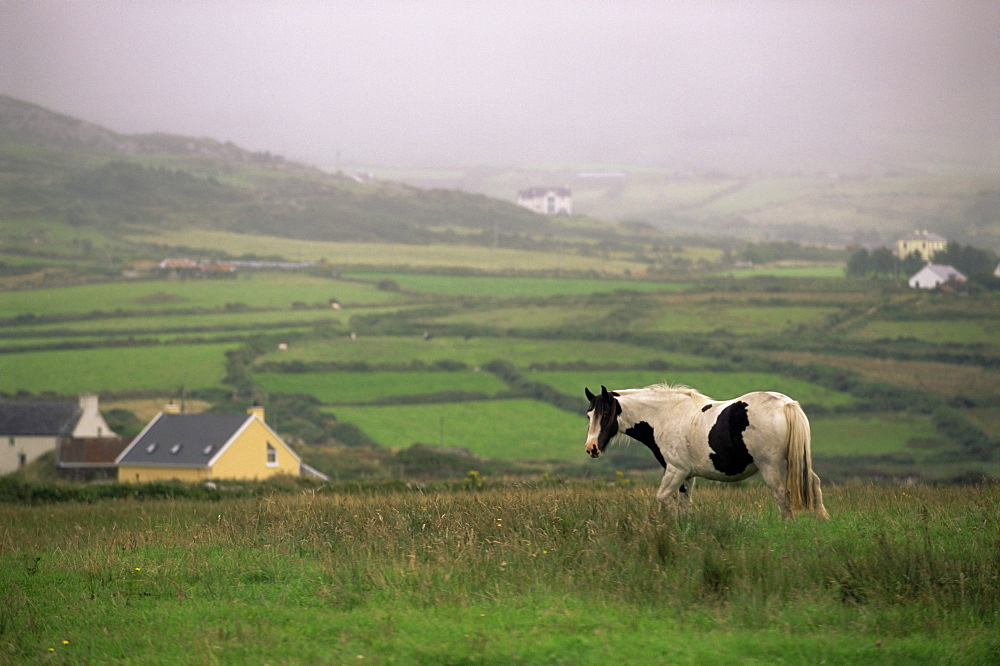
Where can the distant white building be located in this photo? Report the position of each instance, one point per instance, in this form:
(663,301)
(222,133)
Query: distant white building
(923,242)
(932,276)
(547,200)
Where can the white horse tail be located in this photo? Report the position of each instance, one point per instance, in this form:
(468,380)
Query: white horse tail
(799,474)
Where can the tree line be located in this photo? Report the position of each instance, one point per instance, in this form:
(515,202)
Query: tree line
(975,263)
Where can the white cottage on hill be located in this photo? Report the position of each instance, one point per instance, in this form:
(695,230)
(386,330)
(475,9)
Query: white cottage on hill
(547,200)
(932,276)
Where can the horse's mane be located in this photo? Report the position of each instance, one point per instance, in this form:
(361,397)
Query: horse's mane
(677,388)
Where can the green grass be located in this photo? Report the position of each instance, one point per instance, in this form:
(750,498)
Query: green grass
(160,367)
(869,434)
(500,429)
(351,387)
(193,323)
(516,287)
(717,385)
(392,255)
(580,574)
(735,318)
(529,317)
(938,332)
(270,290)
(797,272)
(396,350)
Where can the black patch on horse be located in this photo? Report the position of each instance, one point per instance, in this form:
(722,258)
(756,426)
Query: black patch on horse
(706,408)
(726,440)
(643,432)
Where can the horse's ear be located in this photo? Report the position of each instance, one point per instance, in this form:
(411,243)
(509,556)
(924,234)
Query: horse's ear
(590,396)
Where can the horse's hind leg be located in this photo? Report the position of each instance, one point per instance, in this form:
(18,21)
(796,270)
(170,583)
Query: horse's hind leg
(775,480)
(818,498)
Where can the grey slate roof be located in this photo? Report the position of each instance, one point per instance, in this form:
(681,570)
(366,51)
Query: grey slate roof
(923,235)
(52,418)
(183,439)
(946,272)
(533,192)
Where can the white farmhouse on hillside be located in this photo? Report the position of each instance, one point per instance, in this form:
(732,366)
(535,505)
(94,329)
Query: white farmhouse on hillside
(547,200)
(932,276)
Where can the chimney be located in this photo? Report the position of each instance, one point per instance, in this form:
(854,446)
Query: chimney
(88,403)
(172,408)
(256,410)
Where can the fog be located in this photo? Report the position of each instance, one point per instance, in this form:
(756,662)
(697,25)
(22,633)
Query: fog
(690,84)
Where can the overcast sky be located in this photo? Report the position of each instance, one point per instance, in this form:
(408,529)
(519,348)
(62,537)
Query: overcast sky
(696,83)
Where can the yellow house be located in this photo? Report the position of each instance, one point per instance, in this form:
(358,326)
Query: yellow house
(204,447)
(922,242)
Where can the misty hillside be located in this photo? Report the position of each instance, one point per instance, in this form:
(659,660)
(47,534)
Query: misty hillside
(65,170)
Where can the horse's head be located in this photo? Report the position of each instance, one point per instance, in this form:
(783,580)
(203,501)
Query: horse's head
(603,416)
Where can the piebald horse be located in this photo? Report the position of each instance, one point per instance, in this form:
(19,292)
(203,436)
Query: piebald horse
(692,435)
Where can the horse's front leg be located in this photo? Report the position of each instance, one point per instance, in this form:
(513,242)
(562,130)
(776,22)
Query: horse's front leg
(668,492)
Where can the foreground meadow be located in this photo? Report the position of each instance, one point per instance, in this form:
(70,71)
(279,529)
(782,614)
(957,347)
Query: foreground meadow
(542,573)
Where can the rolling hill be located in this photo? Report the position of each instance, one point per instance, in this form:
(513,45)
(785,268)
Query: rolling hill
(68,187)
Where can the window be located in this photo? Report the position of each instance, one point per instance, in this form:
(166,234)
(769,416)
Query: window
(272,456)
(208,449)
(151,447)
(175,449)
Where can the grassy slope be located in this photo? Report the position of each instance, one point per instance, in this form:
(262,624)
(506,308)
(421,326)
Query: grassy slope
(808,207)
(582,573)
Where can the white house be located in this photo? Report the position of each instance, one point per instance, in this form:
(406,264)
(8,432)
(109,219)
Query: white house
(547,200)
(932,276)
(29,429)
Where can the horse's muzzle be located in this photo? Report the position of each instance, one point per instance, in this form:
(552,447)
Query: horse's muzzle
(593,450)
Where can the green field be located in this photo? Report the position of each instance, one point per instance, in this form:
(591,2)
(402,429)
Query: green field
(733,317)
(528,317)
(375,381)
(429,339)
(940,332)
(875,434)
(160,367)
(515,287)
(551,573)
(172,323)
(271,290)
(477,351)
(500,429)
(357,387)
(823,272)
(393,255)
